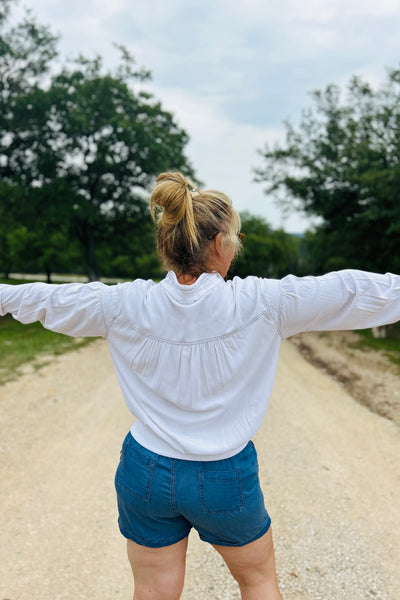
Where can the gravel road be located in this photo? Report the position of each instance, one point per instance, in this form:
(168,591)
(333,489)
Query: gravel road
(329,469)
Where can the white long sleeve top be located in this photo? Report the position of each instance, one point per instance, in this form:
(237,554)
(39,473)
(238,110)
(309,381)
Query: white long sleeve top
(196,363)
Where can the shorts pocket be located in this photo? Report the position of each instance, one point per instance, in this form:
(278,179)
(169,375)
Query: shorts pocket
(135,474)
(220,491)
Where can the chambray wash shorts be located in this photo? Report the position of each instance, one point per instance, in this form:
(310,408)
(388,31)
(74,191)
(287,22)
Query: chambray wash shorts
(160,499)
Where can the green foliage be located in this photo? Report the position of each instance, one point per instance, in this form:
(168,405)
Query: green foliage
(341,163)
(111,141)
(266,252)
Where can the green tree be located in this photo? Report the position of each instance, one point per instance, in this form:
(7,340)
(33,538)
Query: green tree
(132,251)
(26,52)
(10,198)
(266,252)
(341,163)
(82,150)
(111,140)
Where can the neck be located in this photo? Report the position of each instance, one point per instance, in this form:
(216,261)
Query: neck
(186,279)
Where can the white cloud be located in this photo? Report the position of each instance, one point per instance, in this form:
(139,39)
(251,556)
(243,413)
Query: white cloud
(225,155)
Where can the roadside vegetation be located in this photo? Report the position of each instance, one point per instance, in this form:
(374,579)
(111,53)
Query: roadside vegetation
(389,346)
(22,344)
(30,344)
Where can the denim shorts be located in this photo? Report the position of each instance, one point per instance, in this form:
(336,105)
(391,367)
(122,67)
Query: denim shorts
(160,499)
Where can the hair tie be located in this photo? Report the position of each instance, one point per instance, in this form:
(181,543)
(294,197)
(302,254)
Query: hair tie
(192,188)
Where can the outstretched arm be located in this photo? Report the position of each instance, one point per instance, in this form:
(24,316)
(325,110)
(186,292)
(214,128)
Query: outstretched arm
(348,299)
(75,309)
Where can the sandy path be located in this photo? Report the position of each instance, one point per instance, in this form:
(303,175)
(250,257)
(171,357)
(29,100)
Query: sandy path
(329,470)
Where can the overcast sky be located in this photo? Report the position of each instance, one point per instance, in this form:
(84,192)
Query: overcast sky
(232,71)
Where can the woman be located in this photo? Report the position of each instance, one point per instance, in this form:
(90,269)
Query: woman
(196,359)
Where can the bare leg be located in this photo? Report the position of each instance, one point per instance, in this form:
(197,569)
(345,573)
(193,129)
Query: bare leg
(158,573)
(253,567)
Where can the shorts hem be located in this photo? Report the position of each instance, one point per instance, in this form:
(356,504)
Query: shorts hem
(238,544)
(159,544)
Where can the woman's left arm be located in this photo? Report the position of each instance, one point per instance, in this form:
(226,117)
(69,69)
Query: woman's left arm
(76,309)
(348,299)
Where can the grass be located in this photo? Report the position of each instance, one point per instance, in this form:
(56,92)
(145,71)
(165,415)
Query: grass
(16,281)
(390,347)
(21,344)
(32,343)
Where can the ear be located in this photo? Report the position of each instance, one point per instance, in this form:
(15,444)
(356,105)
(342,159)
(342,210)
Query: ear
(219,243)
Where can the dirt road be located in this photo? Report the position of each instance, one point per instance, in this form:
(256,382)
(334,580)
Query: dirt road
(329,469)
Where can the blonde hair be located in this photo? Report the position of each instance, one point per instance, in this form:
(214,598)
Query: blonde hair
(187,220)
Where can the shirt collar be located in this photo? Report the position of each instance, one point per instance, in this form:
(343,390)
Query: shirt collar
(187,294)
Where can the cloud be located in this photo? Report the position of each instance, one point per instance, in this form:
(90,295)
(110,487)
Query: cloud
(254,59)
(225,156)
(258,60)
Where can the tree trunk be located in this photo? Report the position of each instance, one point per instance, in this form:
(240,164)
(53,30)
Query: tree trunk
(384,331)
(91,267)
(48,274)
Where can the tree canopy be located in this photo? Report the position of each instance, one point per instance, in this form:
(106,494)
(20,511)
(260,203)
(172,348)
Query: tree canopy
(79,147)
(266,252)
(342,164)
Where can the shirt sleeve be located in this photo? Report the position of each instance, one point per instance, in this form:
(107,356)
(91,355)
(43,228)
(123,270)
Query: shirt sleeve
(341,300)
(76,309)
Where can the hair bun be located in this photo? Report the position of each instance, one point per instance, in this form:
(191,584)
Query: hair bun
(173,196)
(174,177)
(187,220)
